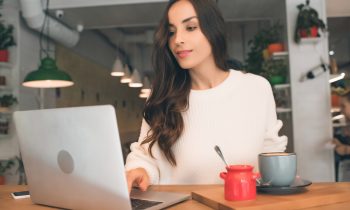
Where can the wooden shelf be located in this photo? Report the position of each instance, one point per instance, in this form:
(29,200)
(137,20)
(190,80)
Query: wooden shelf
(6,65)
(281,86)
(310,40)
(336,77)
(2,136)
(337,125)
(2,113)
(279,55)
(283,110)
(5,110)
(335,109)
(5,88)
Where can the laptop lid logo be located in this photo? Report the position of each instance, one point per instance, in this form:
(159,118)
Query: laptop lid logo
(65,161)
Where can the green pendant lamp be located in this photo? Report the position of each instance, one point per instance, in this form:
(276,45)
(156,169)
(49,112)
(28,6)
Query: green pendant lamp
(47,76)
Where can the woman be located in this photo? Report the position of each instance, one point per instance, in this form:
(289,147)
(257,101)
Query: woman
(197,103)
(341,139)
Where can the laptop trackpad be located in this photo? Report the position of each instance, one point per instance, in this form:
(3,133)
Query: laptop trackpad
(164,198)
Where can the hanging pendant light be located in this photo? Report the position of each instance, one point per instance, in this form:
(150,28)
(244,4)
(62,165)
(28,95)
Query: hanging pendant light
(135,79)
(118,70)
(144,95)
(47,76)
(146,88)
(126,78)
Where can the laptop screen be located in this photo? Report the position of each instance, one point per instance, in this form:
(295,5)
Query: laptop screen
(73,157)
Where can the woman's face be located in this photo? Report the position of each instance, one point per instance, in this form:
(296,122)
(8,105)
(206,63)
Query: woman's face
(345,107)
(186,41)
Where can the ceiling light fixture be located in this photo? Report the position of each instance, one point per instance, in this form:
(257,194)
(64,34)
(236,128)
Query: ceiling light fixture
(47,75)
(126,78)
(135,79)
(144,95)
(118,70)
(146,85)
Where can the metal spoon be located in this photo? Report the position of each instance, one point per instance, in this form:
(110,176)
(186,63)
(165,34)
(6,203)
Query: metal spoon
(218,150)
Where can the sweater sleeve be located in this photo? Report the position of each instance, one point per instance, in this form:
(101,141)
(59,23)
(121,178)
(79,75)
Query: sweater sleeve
(273,142)
(140,157)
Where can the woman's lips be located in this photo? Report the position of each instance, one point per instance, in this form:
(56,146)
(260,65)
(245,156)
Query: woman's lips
(183,53)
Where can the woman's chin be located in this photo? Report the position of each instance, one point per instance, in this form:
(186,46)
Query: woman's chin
(186,65)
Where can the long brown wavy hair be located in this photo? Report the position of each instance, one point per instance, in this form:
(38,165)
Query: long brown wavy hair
(172,84)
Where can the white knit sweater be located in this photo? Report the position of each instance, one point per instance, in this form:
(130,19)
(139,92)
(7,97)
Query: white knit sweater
(239,115)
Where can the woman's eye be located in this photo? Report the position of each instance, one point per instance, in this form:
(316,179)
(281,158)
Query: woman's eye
(191,28)
(171,33)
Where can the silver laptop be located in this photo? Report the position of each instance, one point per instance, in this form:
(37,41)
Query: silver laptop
(73,160)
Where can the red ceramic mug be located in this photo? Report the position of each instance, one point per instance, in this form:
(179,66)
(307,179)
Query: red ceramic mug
(240,182)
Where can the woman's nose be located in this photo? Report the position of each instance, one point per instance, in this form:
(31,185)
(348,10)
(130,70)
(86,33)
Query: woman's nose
(178,39)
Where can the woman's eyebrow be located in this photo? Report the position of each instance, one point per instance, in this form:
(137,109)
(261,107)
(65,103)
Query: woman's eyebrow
(185,20)
(188,19)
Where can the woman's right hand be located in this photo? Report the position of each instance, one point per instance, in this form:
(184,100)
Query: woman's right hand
(137,177)
(340,148)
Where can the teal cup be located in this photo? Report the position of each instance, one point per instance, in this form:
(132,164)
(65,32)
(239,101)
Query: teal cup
(277,168)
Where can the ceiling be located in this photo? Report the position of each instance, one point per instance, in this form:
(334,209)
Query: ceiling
(115,16)
(95,14)
(139,16)
(140,13)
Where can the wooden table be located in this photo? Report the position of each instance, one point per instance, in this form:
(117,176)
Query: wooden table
(320,196)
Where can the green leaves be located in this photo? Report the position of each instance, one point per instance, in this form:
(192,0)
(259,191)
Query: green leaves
(8,100)
(6,165)
(6,36)
(307,18)
(260,42)
(273,67)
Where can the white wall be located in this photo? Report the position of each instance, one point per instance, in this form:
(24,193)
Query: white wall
(312,126)
(93,47)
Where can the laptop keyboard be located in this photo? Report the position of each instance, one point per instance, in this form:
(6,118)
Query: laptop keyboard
(142,204)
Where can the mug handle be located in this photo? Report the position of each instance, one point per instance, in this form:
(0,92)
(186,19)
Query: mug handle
(223,175)
(256,176)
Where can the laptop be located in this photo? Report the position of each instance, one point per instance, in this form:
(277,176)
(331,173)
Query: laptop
(73,160)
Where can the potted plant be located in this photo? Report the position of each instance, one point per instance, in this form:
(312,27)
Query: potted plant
(308,22)
(7,101)
(6,41)
(275,71)
(259,47)
(4,166)
(275,35)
